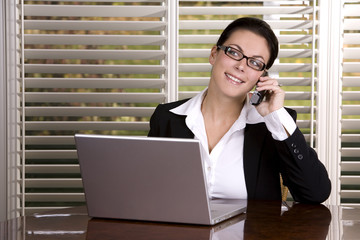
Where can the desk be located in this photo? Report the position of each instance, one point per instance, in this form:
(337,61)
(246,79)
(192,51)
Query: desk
(263,220)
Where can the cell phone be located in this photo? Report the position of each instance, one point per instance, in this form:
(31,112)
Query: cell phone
(258,96)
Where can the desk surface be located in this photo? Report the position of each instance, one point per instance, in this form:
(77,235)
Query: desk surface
(263,220)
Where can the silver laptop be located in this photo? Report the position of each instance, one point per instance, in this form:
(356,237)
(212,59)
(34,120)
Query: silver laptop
(150,179)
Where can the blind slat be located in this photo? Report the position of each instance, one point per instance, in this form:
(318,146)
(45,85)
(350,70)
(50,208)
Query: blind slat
(80,39)
(50,154)
(350,166)
(94,68)
(350,110)
(90,111)
(94,11)
(53,168)
(221,24)
(350,138)
(349,180)
(94,25)
(260,10)
(351,24)
(94,82)
(54,183)
(352,53)
(351,38)
(211,39)
(94,54)
(351,81)
(47,97)
(77,126)
(113,1)
(351,95)
(349,67)
(54,197)
(50,140)
(350,124)
(352,10)
(351,193)
(350,152)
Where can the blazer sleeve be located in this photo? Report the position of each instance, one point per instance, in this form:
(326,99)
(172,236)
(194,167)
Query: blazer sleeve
(301,170)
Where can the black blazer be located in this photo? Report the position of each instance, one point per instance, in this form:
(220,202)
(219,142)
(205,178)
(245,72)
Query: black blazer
(264,158)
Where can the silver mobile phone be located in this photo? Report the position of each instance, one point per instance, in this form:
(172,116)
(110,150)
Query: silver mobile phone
(258,96)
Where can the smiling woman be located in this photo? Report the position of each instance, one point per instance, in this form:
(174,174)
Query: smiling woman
(245,149)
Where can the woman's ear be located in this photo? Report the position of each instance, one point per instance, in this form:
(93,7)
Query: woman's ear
(213,54)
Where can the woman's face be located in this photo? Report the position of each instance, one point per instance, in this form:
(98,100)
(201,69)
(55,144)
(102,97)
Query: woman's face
(235,78)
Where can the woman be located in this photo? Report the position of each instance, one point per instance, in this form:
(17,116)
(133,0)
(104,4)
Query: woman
(245,147)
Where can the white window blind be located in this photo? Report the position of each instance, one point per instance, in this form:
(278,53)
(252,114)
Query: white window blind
(86,67)
(350,123)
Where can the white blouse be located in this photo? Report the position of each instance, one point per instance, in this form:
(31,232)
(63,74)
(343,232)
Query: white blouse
(224,165)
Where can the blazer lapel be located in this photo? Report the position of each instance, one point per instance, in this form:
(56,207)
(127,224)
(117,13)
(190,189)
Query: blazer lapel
(253,144)
(179,129)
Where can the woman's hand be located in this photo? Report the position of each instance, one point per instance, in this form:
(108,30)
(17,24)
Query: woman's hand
(274,98)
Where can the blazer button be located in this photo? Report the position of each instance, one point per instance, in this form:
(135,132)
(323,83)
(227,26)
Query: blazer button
(300,156)
(296,150)
(293,145)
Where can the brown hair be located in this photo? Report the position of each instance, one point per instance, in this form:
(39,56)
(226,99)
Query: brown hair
(258,27)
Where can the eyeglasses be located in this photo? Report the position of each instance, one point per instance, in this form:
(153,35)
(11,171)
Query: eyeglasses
(235,54)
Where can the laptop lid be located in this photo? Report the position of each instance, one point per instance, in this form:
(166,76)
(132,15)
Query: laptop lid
(144,178)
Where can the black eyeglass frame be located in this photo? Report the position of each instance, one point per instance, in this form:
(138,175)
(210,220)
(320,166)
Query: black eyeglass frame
(227,48)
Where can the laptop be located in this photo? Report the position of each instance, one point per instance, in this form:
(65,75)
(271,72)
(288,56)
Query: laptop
(148,179)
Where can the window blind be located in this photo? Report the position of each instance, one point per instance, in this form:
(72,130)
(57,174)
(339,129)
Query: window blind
(350,122)
(86,67)
(91,66)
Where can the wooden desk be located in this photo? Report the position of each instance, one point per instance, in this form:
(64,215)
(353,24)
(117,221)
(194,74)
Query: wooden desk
(263,220)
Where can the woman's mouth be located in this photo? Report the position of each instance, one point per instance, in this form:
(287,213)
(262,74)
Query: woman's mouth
(233,79)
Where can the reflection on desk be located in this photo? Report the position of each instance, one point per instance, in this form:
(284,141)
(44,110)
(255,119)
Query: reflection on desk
(263,220)
(114,229)
(291,221)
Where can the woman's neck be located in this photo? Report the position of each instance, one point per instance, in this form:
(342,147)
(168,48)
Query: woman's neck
(219,115)
(219,108)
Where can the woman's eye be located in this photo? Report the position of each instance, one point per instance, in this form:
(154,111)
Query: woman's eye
(232,52)
(255,62)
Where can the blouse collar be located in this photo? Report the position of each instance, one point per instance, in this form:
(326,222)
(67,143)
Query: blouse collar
(192,108)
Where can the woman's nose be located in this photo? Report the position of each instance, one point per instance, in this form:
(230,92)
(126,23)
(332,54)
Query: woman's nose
(241,65)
